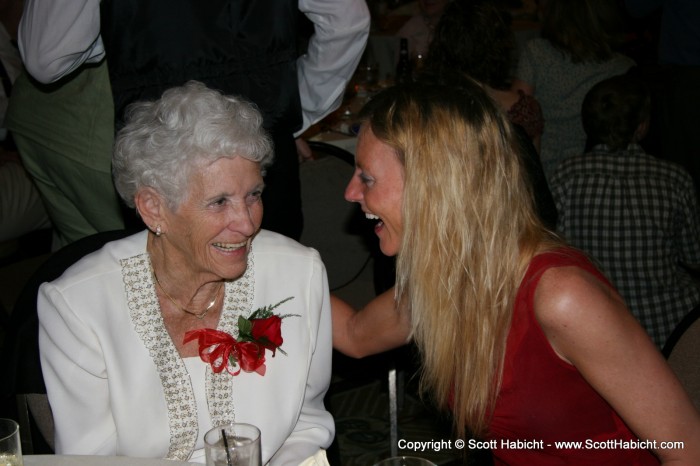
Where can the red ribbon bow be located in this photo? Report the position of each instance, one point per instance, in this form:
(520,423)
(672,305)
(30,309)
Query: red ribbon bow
(222,351)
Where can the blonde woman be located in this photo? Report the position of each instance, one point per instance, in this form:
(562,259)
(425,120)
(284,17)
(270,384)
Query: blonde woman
(520,336)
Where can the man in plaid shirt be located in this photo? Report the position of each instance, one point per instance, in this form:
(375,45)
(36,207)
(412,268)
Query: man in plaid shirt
(635,215)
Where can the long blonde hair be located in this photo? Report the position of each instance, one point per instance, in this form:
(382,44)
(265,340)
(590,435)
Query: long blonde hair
(470,229)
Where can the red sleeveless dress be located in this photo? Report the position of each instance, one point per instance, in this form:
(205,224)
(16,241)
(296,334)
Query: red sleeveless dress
(545,400)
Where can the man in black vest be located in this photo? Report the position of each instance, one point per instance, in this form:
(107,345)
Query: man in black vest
(241,47)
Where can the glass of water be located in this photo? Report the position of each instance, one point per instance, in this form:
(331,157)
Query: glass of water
(10,446)
(235,444)
(405,461)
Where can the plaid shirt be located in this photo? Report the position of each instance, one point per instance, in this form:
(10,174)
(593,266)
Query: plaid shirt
(637,217)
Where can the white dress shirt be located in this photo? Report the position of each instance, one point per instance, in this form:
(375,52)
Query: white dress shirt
(57,36)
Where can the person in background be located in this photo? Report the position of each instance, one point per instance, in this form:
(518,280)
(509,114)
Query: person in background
(635,214)
(520,336)
(64,134)
(474,38)
(247,48)
(419,28)
(127,330)
(574,52)
(21,208)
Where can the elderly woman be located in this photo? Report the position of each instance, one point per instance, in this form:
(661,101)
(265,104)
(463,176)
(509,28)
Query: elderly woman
(520,336)
(131,335)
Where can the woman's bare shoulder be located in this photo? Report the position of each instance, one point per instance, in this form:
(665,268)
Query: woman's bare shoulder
(574,307)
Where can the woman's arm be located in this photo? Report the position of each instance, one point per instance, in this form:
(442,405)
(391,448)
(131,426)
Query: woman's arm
(589,326)
(341,28)
(380,326)
(75,378)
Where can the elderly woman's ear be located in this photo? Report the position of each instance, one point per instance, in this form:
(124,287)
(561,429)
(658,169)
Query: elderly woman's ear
(151,207)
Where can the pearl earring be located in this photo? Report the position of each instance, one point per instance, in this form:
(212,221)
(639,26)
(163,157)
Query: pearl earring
(158,231)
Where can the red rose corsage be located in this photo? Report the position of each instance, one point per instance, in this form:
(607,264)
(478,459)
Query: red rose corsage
(261,331)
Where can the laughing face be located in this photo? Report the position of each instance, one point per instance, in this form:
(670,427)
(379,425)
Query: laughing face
(209,234)
(377,185)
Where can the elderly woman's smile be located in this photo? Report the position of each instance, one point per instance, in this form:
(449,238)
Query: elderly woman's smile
(230,247)
(211,230)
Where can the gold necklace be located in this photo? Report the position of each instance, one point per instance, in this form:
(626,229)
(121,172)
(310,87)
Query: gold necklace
(198,315)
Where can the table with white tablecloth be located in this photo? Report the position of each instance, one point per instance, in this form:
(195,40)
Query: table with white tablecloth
(318,459)
(79,460)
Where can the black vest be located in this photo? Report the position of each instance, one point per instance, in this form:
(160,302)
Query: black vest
(241,47)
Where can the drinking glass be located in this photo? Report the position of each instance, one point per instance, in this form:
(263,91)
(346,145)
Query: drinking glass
(405,461)
(10,446)
(235,444)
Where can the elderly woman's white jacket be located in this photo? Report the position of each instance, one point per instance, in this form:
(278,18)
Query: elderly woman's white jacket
(117,385)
